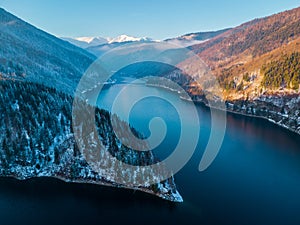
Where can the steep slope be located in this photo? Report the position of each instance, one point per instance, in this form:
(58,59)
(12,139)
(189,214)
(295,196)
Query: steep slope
(38,74)
(31,54)
(231,54)
(258,68)
(37,140)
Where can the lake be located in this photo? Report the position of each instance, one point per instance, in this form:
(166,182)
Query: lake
(255,178)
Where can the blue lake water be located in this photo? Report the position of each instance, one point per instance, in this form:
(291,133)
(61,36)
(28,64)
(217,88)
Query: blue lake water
(255,178)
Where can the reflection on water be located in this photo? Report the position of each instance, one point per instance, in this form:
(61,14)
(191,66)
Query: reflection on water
(256,128)
(254,180)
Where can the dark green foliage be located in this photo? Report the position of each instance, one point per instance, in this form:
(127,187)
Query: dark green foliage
(226,82)
(11,69)
(154,188)
(246,77)
(37,121)
(284,72)
(29,115)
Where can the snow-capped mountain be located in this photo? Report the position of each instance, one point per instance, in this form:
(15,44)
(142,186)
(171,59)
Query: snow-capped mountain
(89,42)
(126,38)
(85,42)
(92,40)
(98,45)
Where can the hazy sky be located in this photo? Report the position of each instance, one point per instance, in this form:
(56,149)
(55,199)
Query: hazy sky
(157,19)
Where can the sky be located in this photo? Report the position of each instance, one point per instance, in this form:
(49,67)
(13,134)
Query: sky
(158,19)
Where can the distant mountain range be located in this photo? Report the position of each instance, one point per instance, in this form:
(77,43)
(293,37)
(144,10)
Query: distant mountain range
(99,45)
(87,42)
(257,65)
(195,38)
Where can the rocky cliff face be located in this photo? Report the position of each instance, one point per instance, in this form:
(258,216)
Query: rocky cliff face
(37,140)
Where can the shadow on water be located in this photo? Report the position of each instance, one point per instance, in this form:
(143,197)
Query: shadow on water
(51,201)
(255,179)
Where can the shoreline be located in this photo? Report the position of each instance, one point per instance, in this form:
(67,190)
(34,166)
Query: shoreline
(162,196)
(247,115)
(199,102)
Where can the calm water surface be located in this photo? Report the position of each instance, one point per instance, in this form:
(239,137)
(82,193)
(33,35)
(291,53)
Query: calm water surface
(255,179)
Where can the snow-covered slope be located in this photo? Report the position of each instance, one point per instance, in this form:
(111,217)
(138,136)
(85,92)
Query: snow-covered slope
(98,45)
(87,42)
(32,54)
(126,38)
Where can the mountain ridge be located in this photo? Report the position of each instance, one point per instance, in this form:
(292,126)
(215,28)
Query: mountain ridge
(231,54)
(28,53)
(98,48)
(87,42)
(38,75)
(248,61)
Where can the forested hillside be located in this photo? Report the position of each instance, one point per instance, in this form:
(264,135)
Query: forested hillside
(284,72)
(27,53)
(239,57)
(257,68)
(37,139)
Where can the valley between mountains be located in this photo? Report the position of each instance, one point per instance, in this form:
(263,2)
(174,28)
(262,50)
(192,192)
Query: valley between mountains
(257,66)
